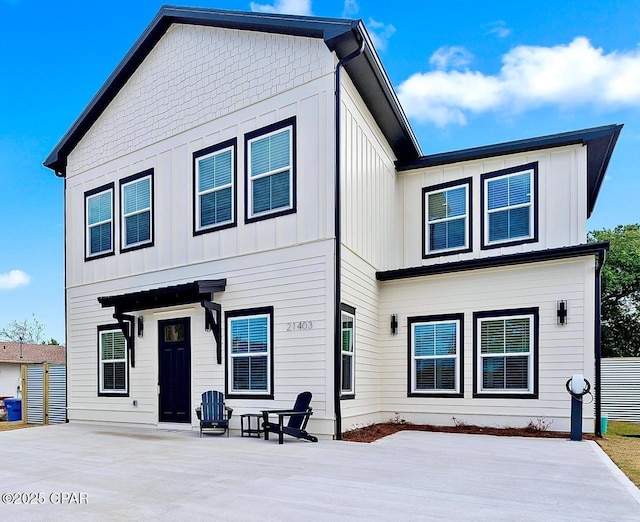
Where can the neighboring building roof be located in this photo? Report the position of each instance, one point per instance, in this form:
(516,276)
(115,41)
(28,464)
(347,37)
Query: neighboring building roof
(340,35)
(31,353)
(600,142)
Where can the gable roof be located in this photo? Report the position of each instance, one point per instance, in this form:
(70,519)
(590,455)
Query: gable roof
(31,353)
(342,36)
(600,142)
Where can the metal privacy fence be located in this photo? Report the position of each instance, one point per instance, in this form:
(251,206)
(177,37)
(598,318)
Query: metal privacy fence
(620,379)
(45,389)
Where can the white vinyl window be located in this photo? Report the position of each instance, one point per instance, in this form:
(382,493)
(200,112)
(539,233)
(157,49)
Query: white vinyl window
(270,184)
(435,356)
(506,354)
(249,351)
(99,209)
(447,216)
(509,207)
(214,189)
(113,362)
(348,346)
(136,204)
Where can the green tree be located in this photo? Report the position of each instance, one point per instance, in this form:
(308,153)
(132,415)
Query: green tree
(620,291)
(28,331)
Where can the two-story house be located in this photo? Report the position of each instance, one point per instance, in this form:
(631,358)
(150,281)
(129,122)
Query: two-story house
(247,209)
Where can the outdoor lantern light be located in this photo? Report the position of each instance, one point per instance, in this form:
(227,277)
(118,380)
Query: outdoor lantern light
(562,312)
(140,326)
(394,324)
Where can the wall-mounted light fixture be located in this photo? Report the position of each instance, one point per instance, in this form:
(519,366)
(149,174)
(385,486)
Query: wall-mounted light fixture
(562,312)
(140,326)
(394,324)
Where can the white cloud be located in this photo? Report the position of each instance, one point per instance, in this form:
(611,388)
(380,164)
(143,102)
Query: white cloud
(350,9)
(296,7)
(380,33)
(498,28)
(13,279)
(450,57)
(572,75)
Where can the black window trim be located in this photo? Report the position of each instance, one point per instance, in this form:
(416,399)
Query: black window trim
(430,319)
(232,144)
(426,254)
(147,244)
(533,311)
(87,195)
(484,240)
(274,127)
(109,328)
(264,310)
(350,394)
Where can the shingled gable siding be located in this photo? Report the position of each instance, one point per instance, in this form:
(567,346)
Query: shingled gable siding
(194,75)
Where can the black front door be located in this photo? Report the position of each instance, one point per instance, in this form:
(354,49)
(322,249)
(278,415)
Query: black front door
(174,361)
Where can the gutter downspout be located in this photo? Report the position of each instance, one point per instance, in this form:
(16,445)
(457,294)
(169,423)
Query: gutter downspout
(602,256)
(337,335)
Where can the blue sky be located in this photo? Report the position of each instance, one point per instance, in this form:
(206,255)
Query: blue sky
(468,73)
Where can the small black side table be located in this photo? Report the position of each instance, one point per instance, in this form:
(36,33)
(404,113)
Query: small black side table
(248,430)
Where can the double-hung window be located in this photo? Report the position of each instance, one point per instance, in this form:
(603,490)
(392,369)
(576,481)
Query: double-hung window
(270,181)
(113,370)
(435,355)
(347,381)
(447,211)
(250,352)
(214,183)
(99,221)
(510,206)
(506,352)
(136,203)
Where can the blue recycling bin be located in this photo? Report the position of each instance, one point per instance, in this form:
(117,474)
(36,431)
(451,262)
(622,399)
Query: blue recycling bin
(14,409)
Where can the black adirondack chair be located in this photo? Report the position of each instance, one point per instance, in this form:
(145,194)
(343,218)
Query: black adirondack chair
(298,418)
(214,415)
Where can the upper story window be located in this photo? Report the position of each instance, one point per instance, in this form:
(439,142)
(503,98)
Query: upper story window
(510,213)
(214,185)
(447,216)
(506,353)
(99,222)
(270,178)
(136,204)
(435,355)
(250,353)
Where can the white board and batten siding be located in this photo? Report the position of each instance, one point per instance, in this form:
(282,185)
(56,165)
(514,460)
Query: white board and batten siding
(563,350)
(620,380)
(368,233)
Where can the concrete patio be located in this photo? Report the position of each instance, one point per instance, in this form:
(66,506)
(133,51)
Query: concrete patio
(88,472)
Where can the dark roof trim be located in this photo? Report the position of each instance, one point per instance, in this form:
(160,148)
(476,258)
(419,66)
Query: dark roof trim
(551,254)
(186,293)
(600,142)
(340,35)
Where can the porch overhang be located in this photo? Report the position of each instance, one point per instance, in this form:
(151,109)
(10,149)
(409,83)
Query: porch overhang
(187,293)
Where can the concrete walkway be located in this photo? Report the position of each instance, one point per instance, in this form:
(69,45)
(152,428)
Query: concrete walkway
(87,472)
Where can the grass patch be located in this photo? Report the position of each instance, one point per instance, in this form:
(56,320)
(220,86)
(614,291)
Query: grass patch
(15,425)
(622,444)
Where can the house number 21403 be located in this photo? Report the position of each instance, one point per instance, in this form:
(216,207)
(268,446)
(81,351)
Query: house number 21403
(300,325)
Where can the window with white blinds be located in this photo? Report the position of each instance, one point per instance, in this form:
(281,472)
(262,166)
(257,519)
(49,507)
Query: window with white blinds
(113,362)
(249,353)
(505,354)
(447,215)
(214,187)
(136,193)
(435,354)
(348,349)
(509,207)
(99,215)
(270,184)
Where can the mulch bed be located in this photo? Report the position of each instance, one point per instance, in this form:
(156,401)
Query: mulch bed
(377,431)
